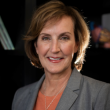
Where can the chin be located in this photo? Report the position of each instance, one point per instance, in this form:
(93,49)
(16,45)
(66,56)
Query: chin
(56,70)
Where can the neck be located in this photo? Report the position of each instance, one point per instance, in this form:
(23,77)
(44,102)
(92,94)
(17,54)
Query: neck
(53,83)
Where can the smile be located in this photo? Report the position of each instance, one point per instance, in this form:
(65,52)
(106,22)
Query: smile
(55,59)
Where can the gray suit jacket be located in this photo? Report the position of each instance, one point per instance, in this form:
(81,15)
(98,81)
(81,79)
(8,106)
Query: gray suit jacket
(81,93)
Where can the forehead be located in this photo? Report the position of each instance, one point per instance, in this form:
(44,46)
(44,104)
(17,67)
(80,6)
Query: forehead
(65,23)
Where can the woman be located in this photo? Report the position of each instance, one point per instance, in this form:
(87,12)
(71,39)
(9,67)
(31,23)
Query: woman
(56,42)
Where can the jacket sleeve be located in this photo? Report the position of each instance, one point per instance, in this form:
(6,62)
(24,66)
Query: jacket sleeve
(103,98)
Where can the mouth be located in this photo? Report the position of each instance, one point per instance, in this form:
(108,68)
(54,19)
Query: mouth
(55,59)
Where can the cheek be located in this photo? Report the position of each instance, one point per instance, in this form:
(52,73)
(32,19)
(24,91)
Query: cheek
(41,49)
(68,49)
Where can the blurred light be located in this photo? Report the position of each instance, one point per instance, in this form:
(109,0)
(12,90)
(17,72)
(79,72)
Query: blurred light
(5,38)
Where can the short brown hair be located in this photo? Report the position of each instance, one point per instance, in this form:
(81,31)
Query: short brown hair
(56,10)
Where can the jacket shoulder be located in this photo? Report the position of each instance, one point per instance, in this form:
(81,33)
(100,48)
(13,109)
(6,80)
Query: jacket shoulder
(100,92)
(26,89)
(22,93)
(94,83)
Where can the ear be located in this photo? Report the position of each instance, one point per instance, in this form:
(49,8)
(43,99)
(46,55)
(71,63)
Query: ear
(76,47)
(35,45)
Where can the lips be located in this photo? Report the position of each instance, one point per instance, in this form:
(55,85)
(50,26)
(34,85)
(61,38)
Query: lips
(55,59)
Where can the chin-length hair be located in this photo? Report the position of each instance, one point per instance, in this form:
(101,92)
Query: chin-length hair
(54,10)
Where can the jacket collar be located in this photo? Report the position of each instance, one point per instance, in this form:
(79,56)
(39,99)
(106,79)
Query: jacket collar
(68,97)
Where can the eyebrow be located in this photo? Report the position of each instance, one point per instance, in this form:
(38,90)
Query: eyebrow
(59,35)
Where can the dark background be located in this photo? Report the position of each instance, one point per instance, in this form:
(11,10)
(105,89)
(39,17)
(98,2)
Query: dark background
(16,70)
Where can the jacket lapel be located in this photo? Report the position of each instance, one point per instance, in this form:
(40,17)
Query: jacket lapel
(33,94)
(71,91)
(68,97)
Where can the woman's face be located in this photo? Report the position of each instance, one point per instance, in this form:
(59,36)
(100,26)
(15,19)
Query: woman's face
(56,46)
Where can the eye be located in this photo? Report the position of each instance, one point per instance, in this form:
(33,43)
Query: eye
(64,38)
(45,38)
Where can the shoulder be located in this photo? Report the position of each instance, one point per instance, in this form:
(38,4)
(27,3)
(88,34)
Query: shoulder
(26,89)
(93,83)
(99,91)
(94,87)
(23,93)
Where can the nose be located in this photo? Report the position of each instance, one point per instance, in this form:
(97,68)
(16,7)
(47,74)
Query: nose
(55,47)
